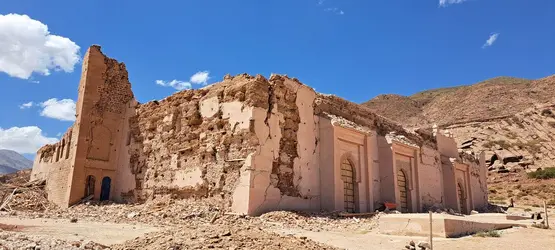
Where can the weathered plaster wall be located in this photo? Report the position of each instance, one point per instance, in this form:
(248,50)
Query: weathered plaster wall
(326,164)
(477,182)
(462,179)
(387,175)
(53,163)
(104,95)
(431,179)
(405,159)
(286,171)
(351,146)
(449,183)
(446,146)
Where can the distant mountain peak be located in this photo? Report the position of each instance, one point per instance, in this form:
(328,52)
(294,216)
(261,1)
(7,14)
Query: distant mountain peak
(11,161)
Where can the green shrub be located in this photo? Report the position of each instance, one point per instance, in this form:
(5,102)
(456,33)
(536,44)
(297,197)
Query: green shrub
(551,202)
(491,233)
(547,173)
(527,209)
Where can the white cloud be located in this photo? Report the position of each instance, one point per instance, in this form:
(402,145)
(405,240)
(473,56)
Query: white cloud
(24,140)
(492,38)
(176,84)
(320,2)
(200,78)
(63,110)
(26,105)
(444,3)
(335,11)
(26,46)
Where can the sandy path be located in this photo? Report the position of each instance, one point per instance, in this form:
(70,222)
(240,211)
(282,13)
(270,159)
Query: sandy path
(103,233)
(516,238)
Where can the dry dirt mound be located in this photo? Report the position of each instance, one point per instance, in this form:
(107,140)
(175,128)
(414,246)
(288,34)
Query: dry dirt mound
(495,97)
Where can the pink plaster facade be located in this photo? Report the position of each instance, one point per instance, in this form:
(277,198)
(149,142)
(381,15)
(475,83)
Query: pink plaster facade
(262,144)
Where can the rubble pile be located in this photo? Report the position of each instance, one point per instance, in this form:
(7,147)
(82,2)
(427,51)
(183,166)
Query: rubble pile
(14,240)
(19,194)
(193,224)
(232,232)
(320,221)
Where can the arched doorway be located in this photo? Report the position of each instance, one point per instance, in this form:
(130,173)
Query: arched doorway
(105,190)
(348,177)
(89,186)
(402,184)
(462,198)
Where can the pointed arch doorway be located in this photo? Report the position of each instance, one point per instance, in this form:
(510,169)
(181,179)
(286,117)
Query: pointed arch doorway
(105,189)
(404,194)
(348,177)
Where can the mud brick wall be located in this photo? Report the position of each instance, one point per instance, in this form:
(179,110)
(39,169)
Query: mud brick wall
(53,163)
(193,143)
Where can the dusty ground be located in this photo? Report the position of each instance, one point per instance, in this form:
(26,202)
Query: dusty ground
(124,227)
(521,238)
(165,223)
(101,232)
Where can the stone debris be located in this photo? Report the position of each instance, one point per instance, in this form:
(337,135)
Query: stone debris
(422,245)
(16,240)
(18,194)
(185,223)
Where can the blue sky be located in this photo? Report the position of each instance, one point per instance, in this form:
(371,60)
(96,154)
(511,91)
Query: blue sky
(355,49)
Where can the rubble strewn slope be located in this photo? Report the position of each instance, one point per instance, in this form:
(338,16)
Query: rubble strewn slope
(495,97)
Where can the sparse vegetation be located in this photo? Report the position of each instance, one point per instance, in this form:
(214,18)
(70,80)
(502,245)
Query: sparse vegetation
(547,173)
(527,210)
(501,143)
(551,202)
(534,146)
(490,233)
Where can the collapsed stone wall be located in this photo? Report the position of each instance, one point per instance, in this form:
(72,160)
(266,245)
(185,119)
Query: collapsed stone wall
(193,143)
(364,117)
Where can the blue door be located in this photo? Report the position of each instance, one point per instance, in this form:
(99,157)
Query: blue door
(105,191)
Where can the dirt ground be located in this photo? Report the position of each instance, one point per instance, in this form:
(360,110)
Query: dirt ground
(100,232)
(29,222)
(515,238)
(276,230)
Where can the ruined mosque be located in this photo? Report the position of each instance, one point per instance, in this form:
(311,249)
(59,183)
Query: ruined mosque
(257,144)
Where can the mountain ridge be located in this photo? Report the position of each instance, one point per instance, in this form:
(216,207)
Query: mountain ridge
(499,96)
(11,161)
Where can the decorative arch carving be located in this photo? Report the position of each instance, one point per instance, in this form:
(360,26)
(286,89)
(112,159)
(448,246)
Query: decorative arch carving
(100,143)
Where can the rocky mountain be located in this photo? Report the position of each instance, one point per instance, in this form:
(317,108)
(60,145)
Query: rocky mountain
(497,97)
(11,161)
(511,119)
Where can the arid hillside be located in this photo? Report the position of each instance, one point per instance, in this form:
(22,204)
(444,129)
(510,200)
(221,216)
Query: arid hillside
(511,119)
(501,96)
